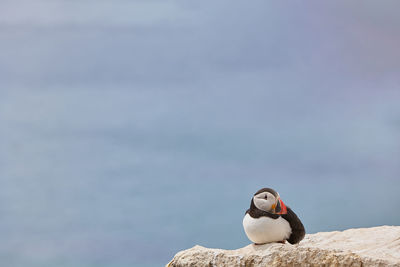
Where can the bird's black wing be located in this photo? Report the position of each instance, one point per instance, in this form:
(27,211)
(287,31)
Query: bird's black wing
(298,230)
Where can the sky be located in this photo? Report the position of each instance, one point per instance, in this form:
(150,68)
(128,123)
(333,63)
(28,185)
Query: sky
(131,129)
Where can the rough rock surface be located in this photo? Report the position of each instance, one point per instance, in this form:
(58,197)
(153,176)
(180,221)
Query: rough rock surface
(376,246)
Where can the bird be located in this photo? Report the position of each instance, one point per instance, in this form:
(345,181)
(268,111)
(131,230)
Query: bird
(269,220)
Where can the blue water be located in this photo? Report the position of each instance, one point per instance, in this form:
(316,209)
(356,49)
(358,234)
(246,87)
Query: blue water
(130,131)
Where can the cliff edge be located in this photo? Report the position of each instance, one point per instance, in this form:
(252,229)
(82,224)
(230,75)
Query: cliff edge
(376,246)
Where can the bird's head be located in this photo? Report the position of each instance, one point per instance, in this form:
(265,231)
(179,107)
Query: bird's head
(268,200)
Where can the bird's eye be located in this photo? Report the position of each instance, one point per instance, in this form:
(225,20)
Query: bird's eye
(266,197)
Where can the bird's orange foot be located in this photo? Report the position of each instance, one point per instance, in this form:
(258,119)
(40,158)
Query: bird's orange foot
(283,241)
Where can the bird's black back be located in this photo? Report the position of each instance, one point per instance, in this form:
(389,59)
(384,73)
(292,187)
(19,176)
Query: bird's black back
(298,231)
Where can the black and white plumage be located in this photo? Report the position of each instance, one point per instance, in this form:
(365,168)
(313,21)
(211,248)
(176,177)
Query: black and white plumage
(270,220)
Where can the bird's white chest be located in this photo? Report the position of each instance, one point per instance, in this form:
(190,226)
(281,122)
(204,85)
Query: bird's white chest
(265,230)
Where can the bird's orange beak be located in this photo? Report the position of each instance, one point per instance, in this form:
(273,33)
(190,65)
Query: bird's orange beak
(280,207)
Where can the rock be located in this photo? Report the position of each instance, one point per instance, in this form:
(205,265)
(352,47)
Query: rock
(376,246)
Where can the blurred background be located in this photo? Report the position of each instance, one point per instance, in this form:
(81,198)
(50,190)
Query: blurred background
(130,130)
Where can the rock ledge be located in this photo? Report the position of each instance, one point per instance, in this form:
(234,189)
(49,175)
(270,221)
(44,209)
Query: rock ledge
(376,246)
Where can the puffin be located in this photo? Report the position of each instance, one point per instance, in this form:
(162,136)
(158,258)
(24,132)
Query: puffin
(269,220)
